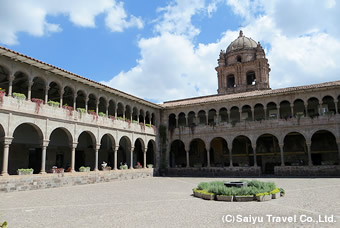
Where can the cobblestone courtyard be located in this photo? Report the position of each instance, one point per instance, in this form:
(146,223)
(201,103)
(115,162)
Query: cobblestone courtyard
(167,202)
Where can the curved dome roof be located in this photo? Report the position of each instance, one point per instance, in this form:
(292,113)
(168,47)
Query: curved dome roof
(242,42)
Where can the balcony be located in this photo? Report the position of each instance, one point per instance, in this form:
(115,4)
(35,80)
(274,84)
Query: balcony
(34,110)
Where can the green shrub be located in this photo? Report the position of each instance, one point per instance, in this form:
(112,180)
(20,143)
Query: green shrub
(81,110)
(276,190)
(203,185)
(25,171)
(101,114)
(53,103)
(19,96)
(84,169)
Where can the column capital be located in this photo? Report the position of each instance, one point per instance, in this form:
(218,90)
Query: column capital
(11,77)
(45,143)
(30,83)
(97,146)
(7,140)
(74,144)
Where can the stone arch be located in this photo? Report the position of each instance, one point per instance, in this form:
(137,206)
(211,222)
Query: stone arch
(181,119)
(106,150)
(20,83)
(92,103)
(2,136)
(147,117)
(59,149)
(299,107)
(172,121)
(124,151)
(285,110)
(268,153)
(272,110)
(102,105)
(68,96)
(231,81)
(202,118)
(219,152)
(259,113)
(4,78)
(247,113)
(191,119)
(150,153)
(85,151)
(153,119)
(242,151)
(81,99)
(112,108)
(26,148)
(295,149)
(138,153)
(54,91)
(313,107)
(328,105)
(141,116)
(197,153)
(234,115)
(223,113)
(38,88)
(324,149)
(177,154)
(135,116)
(212,117)
(120,111)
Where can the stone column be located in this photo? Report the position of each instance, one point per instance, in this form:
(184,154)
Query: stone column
(339,150)
(306,109)
(116,111)
(240,112)
(11,78)
(310,162)
(43,156)
(206,118)
(230,148)
(208,158)
(265,113)
(115,151)
(186,121)
(292,109)
(131,157)
(282,155)
(254,150)
(336,106)
(46,93)
(75,102)
(61,97)
(144,153)
(29,90)
(252,114)
(96,151)
(86,103)
(279,112)
(107,109)
(7,142)
(187,154)
(228,111)
(177,122)
(217,118)
(97,106)
(73,156)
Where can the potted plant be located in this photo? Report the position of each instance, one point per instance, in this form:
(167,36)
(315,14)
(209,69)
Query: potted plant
(123,166)
(25,171)
(150,166)
(84,169)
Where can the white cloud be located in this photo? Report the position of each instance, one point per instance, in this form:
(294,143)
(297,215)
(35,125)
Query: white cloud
(30,16)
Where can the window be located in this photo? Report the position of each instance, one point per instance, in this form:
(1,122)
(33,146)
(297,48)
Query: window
(231,81)
(251,79)
(239,59)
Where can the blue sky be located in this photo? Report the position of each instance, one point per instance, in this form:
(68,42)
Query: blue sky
(165,50)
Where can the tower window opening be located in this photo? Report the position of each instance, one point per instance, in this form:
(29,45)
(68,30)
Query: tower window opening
(251,79)
(231,81)
(239,59)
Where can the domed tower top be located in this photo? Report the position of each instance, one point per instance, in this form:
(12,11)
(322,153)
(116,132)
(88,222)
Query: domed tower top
(242,42)
(242,67)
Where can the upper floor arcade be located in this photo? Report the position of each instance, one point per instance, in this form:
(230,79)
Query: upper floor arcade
(37,84)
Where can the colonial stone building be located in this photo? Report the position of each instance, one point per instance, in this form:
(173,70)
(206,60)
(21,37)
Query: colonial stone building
(52,117)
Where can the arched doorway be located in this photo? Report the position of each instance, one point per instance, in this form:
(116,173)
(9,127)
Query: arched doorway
(268,153)
(138,152)
(259,112)
(295,149)
(324,148)
(59,150)
(242,151)
(219,153)
(85,151)
(177,154)
(26,148)
(150,153)
(106,150)
(124,151)
(197,153)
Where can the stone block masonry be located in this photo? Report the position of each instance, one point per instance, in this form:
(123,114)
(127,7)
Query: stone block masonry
(38,181)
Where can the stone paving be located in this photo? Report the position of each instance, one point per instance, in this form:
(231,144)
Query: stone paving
(167,202)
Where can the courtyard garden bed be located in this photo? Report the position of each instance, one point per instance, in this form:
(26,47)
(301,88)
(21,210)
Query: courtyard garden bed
(253,190)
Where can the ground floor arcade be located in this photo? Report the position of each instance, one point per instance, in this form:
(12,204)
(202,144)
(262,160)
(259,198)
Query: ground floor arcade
(266,151)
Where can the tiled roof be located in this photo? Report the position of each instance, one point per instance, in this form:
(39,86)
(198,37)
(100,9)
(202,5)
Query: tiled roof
(45,66)
(252,94)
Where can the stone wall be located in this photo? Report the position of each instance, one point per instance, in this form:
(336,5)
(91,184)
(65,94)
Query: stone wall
(37,181)
(214,172)
(324,170)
